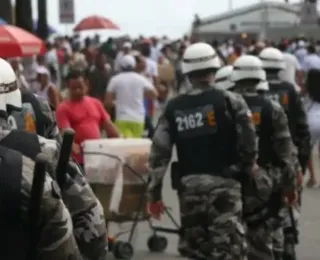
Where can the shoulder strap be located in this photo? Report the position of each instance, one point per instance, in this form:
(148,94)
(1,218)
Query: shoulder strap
(269,114)
(10,178)
(230,108)
(31,146)
(11,225)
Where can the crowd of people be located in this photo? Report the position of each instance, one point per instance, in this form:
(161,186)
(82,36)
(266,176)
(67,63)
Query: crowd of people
(134,79)
(114,89)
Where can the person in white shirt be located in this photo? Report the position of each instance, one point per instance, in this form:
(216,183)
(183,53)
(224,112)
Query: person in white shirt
(152,74)
(301,51)
(52,62)
(292,73)
(155,50)
(312,102)
(127,91)
(311,60)
(151,66)
(18,69)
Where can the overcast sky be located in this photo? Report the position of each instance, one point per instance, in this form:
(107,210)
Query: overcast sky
(147,17)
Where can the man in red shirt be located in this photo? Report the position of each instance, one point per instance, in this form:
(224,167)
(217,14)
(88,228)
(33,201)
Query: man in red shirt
(84,114)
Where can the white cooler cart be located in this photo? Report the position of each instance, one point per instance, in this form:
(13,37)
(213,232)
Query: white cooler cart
(117,170)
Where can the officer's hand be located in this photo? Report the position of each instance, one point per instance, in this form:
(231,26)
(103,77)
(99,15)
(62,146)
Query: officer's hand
(291,198)
(155,209)
(255,169)
(299,179)
(76,148)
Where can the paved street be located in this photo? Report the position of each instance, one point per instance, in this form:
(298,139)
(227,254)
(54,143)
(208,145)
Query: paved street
(309,248)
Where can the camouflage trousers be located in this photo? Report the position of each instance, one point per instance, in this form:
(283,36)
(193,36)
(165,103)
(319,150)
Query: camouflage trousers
(211,210)
(259,243)
(278,243)
(182,243)
(256,197)
(283,238)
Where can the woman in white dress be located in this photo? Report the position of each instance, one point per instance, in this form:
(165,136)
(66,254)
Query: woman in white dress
(312,102)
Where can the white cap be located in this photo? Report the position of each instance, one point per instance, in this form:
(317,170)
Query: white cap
(42,70)
(301,43)
(260,44)
(127,45)
(135,53)
(127,62)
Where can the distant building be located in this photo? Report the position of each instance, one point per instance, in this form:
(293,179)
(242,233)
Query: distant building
(268,20)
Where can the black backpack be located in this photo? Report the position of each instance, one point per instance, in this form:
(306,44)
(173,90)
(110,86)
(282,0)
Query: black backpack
(13,244)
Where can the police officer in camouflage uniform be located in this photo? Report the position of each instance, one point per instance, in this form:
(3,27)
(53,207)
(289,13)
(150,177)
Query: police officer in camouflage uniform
(261,211)
(182,244)
(85,209)
(286,94)
(55,233)
(216,145)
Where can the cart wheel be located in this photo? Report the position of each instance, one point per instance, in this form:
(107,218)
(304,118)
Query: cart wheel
(122,250)
(157,243)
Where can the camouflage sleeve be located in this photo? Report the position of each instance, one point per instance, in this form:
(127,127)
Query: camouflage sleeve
(51,149)
(283,146)
(56,237)
(301,136)
(84,207)
(160,156)
(246,135)
(87,215)
(52,130)
(295,160)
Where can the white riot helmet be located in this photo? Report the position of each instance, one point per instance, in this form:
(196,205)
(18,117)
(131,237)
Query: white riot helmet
(222,77)
(272,58)
(263,86)
(247,67)
(13,97)
(200,56)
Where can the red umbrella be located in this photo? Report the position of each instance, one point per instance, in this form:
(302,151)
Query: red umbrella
(95,22)
(16,42)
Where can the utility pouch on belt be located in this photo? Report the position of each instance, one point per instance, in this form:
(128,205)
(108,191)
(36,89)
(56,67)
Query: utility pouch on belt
(175,176)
